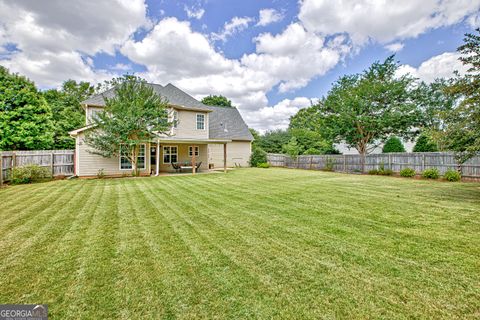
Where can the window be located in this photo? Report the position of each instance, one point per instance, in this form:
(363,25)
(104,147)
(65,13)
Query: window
(190,151)
(200,122)
(175,118)
(170,154)
(125,164)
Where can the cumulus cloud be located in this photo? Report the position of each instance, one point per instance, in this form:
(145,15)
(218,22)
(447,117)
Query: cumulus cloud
(192,12)
(440,66)
(237,24)
(268,16)
(383,21)
(394,47)
(55,38)
(277,116)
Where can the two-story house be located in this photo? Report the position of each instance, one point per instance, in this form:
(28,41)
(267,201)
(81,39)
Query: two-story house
(215,136)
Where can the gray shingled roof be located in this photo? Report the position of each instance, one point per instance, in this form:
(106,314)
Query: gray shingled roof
(225,123)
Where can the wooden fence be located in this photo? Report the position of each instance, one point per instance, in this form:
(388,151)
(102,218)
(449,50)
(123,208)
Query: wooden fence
(396,161)
(60,162)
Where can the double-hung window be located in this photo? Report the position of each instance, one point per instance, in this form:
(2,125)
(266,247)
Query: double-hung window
(125,163)
(170,154)
(175,118)
(200,121)
(190,151)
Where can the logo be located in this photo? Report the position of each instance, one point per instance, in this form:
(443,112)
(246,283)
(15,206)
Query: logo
(23,312)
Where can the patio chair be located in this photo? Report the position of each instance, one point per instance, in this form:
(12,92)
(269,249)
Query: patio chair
(176,166)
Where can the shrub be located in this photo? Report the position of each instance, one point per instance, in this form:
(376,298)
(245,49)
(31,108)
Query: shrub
(452,175)
(101,173)
(312,151)
(385,172)
(393,144)
(373,172)
(263,165)
(257,156)
(431,173)
(29,174)
(407,172)
(425,144)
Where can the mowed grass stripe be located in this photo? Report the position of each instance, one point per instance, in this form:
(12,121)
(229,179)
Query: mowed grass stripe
(204,250)
(253,244)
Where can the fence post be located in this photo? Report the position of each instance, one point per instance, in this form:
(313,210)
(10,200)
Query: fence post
(311,160)
(14,161)
(423,162)
(1,169)
(52,156)
(389,161)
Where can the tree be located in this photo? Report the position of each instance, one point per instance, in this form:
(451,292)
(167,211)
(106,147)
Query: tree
(135,115)
(67,111)
(312,141)
(462,125)
(363,109)
(25,117)
(307,118)
(258,156)
(393,144)
(217,101)
(273,141)
(425,144)
(292,148)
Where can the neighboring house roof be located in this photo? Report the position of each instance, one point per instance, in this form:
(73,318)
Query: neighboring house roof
(224,123)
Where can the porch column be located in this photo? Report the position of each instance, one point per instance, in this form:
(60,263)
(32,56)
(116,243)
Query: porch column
(157,162)
(225,158)
(194,162)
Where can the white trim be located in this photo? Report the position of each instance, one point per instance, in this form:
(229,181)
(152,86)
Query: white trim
(170,153)
(204,121)
(144,156)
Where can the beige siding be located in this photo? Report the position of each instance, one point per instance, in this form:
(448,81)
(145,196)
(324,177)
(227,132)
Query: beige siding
(238,153)
(187,125)
(90,111)
(89,164)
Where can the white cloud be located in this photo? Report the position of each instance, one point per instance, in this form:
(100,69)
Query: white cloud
(54,38)
(268,16)
(121,67)
(201,70)
(383,21)
(237,24)
(196,13)
(394,47)
(440,66)
(278,116)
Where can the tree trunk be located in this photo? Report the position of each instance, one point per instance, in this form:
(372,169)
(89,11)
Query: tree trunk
(133,160)
(362,150)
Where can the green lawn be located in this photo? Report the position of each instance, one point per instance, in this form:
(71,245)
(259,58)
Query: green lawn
(254,243)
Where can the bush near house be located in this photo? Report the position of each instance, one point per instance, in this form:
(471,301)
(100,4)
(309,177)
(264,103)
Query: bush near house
(258,156)
(29,174)
(407,173)
(452,175)
(432,173)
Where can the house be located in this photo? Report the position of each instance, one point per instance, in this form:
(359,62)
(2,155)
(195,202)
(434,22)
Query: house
(215,136)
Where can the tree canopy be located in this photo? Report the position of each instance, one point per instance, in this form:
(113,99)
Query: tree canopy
(363,109)
(393,144)
(25,117)
(462,125)
(425,144)
(67,112)
(218,101)
(133,116)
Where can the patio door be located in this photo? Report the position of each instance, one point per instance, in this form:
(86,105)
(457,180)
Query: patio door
(153,156)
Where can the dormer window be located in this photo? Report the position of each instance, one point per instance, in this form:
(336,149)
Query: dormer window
(200,121)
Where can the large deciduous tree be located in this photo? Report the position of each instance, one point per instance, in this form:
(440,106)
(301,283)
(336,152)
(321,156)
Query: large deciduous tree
(462,125)
(25,117)
(135,115)
(67,111)
(364,109)
(218,101)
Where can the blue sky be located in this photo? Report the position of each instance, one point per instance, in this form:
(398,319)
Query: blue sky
(270,57)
